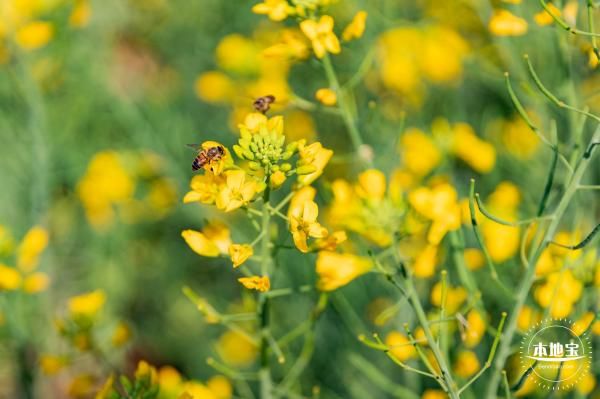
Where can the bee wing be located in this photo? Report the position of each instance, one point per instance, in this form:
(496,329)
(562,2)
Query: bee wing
(194,146)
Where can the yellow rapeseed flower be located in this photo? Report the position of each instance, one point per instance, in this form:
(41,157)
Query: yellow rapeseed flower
(212,241)
(478,154)
(81,14)
(121,334)
(31,247)
(10,278)
(356,28)
(474,258)
(276,10)
(239,253)
(259,283)
(88,304)
(304,224)
(238,55)
(336,270)
(527,318)
(236,349)
(34,35)
(455,297)
(292,45)
(425,262)
(326,96)
(220,386)
(51,364)
(542,18)
(238,191)
(36,282)
(320,33)
(466,364)
(316,156)
(205,188)
(570,289)
(418,152)
(214,87)
(519,139)
(504,23)
(440,205)
(400,346)
(475,328)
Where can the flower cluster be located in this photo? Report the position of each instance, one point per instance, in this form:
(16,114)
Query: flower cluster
(131,185)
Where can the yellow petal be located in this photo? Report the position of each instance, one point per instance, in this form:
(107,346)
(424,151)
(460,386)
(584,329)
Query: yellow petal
(199,243)
(309,28)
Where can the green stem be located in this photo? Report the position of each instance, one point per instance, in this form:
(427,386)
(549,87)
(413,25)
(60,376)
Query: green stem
(344,107)
(527,281)
(264,374)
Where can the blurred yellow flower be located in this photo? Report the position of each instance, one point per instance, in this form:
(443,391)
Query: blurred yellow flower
(36,282)
(214,87)
(88,304)
(440,205)
(518,138)
(425,262)
(400,346)
(238,54)
(236,349)
(321,35)
(504,23)
(443,52)
(31,247)
(82,386)
(570,289)
(34,35)
(434,394)
(527,318)
(220,386)
(316,157)
(475,329)
(501,241)
(356,27)
(238,191)
(80,16)
(51,364)
(276,10)
(259,283)
(586,384)
(196,390)
(292,45)
(542,18)
(583,323)
(239,253)
(478,154)
(121,334)
(303,223)
(10,278)
(455,297)
(105,183)
(466,364)
(474,258)
(326,96)
(418,152)
(336,270)
(146,371)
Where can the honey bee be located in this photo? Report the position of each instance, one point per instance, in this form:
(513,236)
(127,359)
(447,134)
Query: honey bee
(263,104)
(206,156)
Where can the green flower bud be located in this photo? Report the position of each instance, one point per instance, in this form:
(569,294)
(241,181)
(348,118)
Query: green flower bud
(285,167)
(239,151)
(306,169)
(254,165)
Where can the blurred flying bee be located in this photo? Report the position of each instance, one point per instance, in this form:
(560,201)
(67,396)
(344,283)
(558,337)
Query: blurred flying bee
(263,104)
(206,156)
